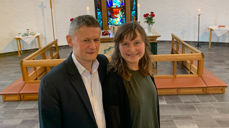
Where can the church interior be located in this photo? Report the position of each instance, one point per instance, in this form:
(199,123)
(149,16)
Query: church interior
(189,45)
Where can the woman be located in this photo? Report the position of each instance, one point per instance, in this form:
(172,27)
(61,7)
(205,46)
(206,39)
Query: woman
(130,95)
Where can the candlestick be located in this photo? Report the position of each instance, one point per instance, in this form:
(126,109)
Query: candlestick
(198,39)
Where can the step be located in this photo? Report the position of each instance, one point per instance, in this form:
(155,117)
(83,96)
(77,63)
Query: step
(11,93)
(180,85)
(30,91)
(213,83)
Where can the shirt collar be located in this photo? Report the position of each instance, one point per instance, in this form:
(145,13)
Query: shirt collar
(81,68)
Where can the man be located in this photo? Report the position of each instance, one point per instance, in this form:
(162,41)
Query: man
(70,95)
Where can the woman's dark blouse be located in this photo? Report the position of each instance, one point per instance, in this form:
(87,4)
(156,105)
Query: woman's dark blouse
(131,104)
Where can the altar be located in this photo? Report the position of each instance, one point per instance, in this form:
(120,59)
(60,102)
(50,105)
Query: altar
(28,39)
(219,31)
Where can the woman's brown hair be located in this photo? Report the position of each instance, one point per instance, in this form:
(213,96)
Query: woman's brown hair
(118,63)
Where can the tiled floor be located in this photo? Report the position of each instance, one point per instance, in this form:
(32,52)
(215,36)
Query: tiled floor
(183,111)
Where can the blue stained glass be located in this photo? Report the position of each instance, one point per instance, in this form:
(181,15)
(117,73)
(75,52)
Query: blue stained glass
(109,3)
(133,11)
(134,5)
(116,12)
(133,15)
(98,11)
(99,18)
(117,3)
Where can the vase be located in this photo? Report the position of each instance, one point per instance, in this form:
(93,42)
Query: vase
(149,28)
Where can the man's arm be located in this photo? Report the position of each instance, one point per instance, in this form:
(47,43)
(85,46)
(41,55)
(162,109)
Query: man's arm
(48,104)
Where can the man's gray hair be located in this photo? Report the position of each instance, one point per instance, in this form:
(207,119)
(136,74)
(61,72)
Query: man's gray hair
(83,20)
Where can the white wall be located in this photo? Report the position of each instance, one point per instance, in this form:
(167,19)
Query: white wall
(180,17)
(67,9)
(172,16)
(17,16)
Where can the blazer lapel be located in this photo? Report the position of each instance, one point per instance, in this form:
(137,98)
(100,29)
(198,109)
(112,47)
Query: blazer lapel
(79,86)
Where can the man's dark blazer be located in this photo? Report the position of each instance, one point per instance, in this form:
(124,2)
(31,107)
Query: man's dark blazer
(63,100)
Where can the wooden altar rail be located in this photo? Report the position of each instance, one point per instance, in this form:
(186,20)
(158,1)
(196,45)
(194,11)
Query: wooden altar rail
(197,81)
(33,67)
(157,58)
(179,54)
(181,47)
(179,57)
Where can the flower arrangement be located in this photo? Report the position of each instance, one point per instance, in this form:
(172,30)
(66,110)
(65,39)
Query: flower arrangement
(149,18)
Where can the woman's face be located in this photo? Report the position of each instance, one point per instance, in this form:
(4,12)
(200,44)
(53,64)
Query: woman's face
(132,50)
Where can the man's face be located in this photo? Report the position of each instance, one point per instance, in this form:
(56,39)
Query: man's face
(85,43)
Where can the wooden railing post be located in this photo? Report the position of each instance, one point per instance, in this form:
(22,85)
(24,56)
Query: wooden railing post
(173,47)
(51,52)
(177,46)
(57,49)
(200,68)
(174,68)
(24,72)
(183,52)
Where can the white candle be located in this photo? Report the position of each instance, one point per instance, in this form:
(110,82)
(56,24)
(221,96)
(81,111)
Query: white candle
(88,10)
(138,5)
(199,11)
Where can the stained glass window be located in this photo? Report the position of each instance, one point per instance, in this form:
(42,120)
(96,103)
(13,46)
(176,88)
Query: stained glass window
(98,10)
(133,10)
(116,14)
(115,11)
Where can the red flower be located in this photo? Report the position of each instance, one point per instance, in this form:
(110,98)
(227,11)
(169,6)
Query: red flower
(149,18)
(152,14)
(147,14)
(105,32)
(71,19)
